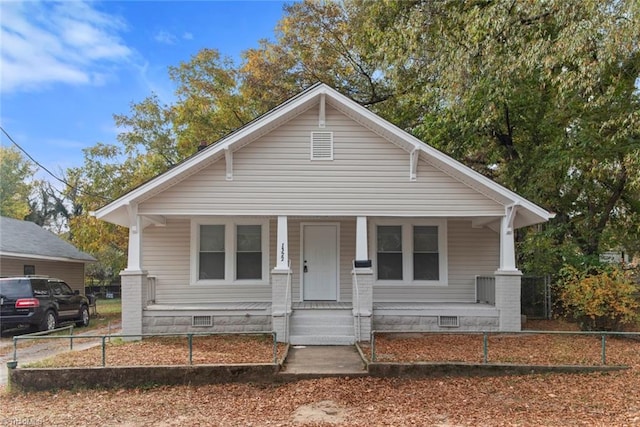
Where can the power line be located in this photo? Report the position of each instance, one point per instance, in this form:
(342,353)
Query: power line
(47,170)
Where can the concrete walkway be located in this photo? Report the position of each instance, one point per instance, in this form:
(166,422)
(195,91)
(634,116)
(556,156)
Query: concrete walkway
(324,361)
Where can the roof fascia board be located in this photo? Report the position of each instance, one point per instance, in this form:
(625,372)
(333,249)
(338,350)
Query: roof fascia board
(43,257)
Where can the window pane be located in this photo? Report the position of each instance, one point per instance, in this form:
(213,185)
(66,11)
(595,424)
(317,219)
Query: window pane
(389,238)
(389,252)
(249,238)
(211,265)
(425,238)
(389,266)
(212,238)
(249,265)
(426,266)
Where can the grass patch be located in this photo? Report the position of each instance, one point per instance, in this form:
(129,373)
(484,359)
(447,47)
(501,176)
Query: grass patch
(109,311)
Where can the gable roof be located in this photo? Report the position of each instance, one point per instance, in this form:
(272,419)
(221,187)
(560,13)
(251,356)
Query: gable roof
(118,211)
(26,239)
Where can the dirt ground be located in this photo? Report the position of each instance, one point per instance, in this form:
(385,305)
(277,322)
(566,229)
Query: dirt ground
(595,399)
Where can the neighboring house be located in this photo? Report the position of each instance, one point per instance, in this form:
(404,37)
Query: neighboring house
(321,221)
(28,249)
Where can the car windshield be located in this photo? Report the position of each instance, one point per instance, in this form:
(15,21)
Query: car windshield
(15,288)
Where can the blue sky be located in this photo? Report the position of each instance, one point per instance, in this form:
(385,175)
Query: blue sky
(67,67)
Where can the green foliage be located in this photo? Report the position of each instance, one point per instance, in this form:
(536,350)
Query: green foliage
(599,297)
(539,96)
(15,186)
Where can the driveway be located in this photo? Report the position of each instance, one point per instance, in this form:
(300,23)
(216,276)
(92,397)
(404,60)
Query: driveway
(43,349)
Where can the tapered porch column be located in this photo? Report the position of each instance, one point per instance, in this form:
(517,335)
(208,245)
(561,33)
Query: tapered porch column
(508,277)
(133,279)
(281,284)
(362,283)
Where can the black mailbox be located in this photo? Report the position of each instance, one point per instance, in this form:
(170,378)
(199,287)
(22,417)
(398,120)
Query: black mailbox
(363,263)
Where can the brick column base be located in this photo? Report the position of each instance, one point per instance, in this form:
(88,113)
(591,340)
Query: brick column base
(508,286)
(280,303)
(133,286)
(362,279)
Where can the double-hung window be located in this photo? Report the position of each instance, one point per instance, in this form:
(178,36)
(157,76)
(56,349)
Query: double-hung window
(229,251)
(211,262)
(410,251)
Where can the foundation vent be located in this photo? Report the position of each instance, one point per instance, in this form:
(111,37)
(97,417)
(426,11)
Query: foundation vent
(202,321)
(448,321)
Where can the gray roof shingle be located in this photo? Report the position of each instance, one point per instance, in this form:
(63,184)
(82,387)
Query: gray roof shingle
(28,239)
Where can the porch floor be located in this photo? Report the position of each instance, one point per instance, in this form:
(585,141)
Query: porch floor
(321,305)
(431,305)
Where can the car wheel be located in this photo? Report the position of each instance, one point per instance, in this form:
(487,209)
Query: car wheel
(49,321)
(84,316)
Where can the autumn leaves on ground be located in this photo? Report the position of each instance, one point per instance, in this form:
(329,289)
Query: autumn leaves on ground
(550,399)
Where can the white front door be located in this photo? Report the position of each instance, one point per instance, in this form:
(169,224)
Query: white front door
(320,262)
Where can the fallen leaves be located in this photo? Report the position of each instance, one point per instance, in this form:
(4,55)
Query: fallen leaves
(599,399)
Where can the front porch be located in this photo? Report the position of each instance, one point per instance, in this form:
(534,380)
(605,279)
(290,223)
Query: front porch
(332,292)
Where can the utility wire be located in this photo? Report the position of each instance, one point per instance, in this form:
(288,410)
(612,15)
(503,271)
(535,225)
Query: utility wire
(47,170)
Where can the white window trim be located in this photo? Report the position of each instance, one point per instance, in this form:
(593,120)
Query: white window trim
(229,249)
(407,250)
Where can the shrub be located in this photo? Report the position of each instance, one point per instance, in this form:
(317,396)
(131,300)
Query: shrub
(601,298)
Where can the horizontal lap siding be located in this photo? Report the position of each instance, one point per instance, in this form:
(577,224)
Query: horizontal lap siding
(71,273)
(166,256)
(471,252)
(274,175)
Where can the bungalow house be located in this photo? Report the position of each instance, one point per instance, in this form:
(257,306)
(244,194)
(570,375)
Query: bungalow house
(27,249)
(321,221)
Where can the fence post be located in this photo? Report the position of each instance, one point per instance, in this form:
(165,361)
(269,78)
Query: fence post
(604,349)
(275,347)
(485,348)
(373,346)
(190,340)
(104,352)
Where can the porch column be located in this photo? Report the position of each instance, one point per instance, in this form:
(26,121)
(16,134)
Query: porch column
(508,277)
(281,284)
(362,252)
(362,284)
(133,279)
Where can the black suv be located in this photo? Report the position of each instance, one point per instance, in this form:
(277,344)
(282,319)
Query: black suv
(40,302)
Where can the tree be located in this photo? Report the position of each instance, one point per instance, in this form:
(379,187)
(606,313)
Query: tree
(540,96)
(15,185)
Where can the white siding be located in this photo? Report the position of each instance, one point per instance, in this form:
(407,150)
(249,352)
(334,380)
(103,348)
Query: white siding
(70,272)
(471,252)
(275,176)
(166,256)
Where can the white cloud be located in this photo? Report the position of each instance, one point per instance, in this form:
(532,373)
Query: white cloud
(57,42)
(187,36)
(165,37)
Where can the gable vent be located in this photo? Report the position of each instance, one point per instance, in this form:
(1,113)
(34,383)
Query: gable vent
(201,321)
(321,145)
(448,321)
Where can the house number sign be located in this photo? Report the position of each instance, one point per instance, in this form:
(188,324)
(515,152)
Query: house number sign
(282,253)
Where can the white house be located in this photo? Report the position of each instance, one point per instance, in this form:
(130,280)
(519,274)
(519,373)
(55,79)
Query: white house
(321,221)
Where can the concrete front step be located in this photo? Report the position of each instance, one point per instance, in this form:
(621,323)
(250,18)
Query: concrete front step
(322,327)
(322,339)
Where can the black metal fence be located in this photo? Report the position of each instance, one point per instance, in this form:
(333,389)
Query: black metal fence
(536,297)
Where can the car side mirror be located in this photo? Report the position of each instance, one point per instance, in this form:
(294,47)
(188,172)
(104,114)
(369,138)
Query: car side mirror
(76,292)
